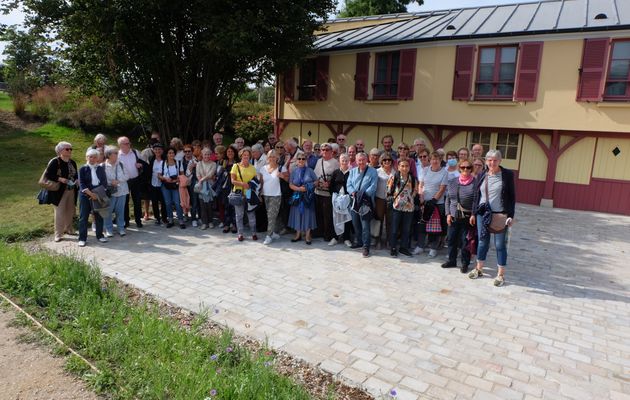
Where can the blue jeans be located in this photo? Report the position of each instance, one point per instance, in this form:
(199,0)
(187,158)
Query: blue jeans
(403,220)
(116,205)
(499,242)
(457,240)
(361,230)
(85,209)
(171,198)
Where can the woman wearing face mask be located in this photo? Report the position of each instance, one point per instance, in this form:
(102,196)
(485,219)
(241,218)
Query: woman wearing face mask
(451,165)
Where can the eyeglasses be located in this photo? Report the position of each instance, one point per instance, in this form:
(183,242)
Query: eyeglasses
(387,160)
(466,167)
(403,148)
(187,151)
(279,146)
(341,139)
(424,156)
(301,159)
(68,148)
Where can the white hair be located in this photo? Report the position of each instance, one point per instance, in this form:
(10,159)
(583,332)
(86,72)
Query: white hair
(60,146)
(100,137)
(291,143)
(109,150)
(258,147)
(494,154)
(92,152)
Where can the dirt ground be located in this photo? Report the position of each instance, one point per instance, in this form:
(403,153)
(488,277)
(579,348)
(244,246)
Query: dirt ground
(29,371)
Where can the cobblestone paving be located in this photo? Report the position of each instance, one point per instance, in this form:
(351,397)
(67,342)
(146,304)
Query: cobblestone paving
(558,329)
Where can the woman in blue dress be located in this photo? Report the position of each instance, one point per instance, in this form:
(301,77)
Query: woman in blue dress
(302,213)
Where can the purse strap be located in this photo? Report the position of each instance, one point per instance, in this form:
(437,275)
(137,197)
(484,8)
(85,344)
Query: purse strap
(240,176)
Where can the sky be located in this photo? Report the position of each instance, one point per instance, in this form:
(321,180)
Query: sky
(17,17)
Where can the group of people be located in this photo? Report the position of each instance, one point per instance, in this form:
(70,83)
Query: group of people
(337,191)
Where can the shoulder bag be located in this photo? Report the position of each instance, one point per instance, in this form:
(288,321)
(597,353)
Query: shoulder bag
(235,198)
(499,220)
(47,184)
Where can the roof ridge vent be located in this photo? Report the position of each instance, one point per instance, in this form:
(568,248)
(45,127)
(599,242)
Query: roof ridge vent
(601,16)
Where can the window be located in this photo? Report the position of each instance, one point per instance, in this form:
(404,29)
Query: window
(386,75)
(496,72)
(507,144)
(308,80)
(618,78)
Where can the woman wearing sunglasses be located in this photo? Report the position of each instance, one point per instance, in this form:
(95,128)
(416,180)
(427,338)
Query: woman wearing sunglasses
(302,212)
(459,200)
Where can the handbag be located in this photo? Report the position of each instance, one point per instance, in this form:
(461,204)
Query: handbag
(235,198)
(111,189)
(46,183)
(42,197)
(434,225)
(498,222)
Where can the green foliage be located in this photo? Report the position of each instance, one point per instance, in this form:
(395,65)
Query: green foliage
(180,63)
(141,355)
(360,8)
(255,127)
(5,102)
(266,95)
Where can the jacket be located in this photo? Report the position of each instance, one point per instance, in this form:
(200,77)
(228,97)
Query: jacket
(508,193)
(85,178)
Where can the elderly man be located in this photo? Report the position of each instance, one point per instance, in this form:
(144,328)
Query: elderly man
(341,140)
(272,139)
(477,150)
(361,185)
(418,146)
(375,158)
(259,157)
(240,143)
(388,141)
(323,201)
(134,167)
(217,139)
(311,157)
(291,149)
(352,156)
(360,146)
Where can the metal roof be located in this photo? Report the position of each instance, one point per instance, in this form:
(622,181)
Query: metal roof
(536,17)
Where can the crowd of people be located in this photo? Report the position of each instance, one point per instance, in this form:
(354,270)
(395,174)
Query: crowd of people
(407,199)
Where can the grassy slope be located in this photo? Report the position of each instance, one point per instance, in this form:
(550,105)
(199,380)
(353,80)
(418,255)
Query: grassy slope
(25,155)
(5,102)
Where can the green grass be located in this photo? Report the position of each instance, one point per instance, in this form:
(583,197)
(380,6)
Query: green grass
(25,155)
(5,102)
(140,354)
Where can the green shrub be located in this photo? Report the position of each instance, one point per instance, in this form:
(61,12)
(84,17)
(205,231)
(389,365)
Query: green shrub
(255,127)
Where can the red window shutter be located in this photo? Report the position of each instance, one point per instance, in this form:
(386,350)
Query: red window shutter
(462,81)
(528,70)
(321,85)
(361,76)
(593,70)
(289,84)
(406,74)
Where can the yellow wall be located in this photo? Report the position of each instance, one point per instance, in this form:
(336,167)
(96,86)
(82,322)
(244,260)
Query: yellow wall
(609,166)
(458,141)
(533,160)
(574,166)
(555,107)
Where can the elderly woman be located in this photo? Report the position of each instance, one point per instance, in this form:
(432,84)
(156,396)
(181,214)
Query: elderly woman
(463,154)
(339,185)
(169,176)
(458,206)
(117,184)
(228,159)
(206,172)
(494,199)
(270,176)
(242,173)
(431,189)
(383,214)
(92,181)
(401,191)
(64,170)
(157,200)
(259,159)
(302,213)
(478,164)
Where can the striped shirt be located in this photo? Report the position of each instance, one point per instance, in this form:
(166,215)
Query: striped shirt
(466,194)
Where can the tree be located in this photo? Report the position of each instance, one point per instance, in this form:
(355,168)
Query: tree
(181,63)
(360,8)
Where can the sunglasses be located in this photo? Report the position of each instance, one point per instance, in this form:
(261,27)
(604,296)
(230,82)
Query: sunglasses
(68,148)
(341,139)
(387,160)
(301,159)
(466,167)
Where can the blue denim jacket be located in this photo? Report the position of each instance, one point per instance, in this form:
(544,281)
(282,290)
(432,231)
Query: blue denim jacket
(369,181)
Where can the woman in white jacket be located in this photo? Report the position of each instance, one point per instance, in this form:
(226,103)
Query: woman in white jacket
(117,185)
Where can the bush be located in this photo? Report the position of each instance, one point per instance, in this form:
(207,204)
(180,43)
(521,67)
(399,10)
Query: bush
(19,103)
(47,101)
(89,114)
(255,127)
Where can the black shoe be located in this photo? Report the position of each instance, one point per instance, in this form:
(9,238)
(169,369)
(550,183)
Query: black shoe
(169,225)
(449,265)
(297,239)
(405,252)
(463,269)
(393,252)
(126,224)
(355,246)
(158,222)
(182,226)
(366,252)
(139,224)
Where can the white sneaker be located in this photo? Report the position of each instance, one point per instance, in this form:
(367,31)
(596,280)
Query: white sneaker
(275,236)
(203,227)
(332,242)
(432,253)
(268,240)
(347,243)
(220,224)
(82,243)
(418,250)
(103,240)
(194,224)
(93,226)
(211,225)
(109,234)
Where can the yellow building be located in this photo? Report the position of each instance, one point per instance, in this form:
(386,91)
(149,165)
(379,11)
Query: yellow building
(546,82)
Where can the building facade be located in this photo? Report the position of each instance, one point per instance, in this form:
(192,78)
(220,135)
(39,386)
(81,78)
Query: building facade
(547,83)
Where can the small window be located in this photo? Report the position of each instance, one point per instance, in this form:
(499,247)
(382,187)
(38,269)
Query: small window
(308,80)
(496,72)
(483,138)
(507,144)
(386,75)
(618,79)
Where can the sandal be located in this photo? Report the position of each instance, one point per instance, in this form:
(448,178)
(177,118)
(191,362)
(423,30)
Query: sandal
(476,273)
(499,281)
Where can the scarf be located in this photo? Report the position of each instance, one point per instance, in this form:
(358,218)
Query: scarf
(465,181)
(95,180)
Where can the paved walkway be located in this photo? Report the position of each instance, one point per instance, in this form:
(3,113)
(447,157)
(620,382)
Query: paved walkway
(560,328)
